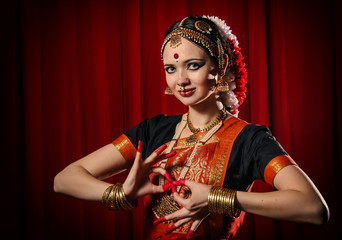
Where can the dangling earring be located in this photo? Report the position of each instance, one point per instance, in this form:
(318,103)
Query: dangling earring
(168,91)
(222,85)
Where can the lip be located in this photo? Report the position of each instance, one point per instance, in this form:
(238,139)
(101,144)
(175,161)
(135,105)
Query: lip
(187,92)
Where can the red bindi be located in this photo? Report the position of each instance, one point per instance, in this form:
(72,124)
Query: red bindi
(176,56)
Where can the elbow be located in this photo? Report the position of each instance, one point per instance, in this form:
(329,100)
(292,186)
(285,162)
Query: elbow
(57,183)
(319,214)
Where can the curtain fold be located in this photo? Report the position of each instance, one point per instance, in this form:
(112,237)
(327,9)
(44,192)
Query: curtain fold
(77,74)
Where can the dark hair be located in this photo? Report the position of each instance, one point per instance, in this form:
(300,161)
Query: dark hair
(189,23)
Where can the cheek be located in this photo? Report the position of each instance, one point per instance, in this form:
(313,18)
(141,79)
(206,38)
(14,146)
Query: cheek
(170,80)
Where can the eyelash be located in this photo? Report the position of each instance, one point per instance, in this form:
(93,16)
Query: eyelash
(191,66)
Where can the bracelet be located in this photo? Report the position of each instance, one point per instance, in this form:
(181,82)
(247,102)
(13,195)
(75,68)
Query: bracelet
(114,198)
(222,201)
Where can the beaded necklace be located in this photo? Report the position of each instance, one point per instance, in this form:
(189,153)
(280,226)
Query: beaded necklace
(192,139)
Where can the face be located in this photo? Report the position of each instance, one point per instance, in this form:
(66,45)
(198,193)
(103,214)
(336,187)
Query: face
(190,72)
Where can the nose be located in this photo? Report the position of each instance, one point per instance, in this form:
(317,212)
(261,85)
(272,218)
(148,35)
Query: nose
(183,79)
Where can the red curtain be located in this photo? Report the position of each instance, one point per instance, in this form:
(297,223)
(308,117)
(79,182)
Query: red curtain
(78,73)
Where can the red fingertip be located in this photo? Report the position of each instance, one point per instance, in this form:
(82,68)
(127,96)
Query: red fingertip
(189,235)
(159,220)
(168,177)
(170,229)
(166,186)
(171,154)
(139,147)
(179,182)
(162,148)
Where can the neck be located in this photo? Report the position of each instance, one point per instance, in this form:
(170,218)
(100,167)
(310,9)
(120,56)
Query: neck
(201,114)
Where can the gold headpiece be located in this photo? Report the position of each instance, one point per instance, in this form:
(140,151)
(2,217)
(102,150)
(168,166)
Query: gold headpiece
(215,49)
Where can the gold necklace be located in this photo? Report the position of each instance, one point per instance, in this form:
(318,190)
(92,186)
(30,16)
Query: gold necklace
(192,139)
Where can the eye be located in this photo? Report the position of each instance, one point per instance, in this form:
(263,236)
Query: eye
(195,66)
(170,69)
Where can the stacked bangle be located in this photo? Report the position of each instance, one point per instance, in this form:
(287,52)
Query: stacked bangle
(114,198)
(222,201)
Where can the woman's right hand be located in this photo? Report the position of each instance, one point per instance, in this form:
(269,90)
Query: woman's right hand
(137,183)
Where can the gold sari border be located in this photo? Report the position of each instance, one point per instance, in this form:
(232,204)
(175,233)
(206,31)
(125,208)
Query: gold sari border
(125,147)
(275,165)
(223,150)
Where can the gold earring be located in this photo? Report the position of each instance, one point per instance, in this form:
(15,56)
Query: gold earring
(222,85)
(168,91)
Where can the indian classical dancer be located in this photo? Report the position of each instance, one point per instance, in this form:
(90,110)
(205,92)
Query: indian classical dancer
(195,171)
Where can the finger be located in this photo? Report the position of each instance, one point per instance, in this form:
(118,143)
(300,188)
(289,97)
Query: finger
(153,158)
(169,155)
(179,214)
(139,146)
(179,182)
(160,150)
(190,234)
(138,154)
(155,154)
(176,225)
(181,201)
(194,227)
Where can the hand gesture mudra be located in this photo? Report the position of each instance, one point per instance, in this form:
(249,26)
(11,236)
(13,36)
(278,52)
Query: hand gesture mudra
(194,208)
(137,183)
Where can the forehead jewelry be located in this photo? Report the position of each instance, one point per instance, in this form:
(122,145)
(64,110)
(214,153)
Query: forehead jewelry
(176,56)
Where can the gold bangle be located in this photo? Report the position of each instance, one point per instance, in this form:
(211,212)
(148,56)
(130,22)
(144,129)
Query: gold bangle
(114,198)
(222,201)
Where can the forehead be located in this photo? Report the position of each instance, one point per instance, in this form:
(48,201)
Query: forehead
(185,50)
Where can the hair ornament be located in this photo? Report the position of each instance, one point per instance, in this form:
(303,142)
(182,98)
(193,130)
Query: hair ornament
(203,27)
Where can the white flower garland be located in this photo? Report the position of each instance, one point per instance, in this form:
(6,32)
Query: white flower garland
(224,29)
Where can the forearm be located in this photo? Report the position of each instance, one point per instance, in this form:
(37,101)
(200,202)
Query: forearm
(289,205)
(78,182)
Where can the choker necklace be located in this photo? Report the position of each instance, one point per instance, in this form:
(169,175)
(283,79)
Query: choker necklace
(192,139)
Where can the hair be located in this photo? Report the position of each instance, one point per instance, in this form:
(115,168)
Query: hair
(235,74)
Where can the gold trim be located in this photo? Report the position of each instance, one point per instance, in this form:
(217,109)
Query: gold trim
(125,147)
(275,165)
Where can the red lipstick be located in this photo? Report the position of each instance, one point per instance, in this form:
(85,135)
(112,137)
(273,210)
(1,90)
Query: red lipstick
(187,92)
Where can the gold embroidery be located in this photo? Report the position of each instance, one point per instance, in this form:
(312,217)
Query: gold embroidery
(222,152)
(275,165)
(211,160)
(125,147)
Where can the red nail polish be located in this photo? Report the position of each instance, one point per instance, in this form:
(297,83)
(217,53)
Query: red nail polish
(166,186)
(179,182)
(168,177)
(159,220)
(170,229)
(189,235)
(171,154)
(139,146)
(162,148)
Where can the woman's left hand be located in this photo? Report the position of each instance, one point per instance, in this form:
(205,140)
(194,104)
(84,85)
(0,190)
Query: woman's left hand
(195,208)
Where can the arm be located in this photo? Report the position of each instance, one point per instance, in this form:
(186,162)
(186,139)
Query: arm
(82,179)
(296,199)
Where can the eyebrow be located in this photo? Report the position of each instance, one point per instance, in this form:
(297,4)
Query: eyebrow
(186,61)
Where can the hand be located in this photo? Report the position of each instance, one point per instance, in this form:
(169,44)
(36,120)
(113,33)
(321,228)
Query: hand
(137,183)
(194,208)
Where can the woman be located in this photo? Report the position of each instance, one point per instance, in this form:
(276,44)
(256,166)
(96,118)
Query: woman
(198,167)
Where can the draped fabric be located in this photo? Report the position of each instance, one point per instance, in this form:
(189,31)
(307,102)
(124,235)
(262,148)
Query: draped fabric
(77,73)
